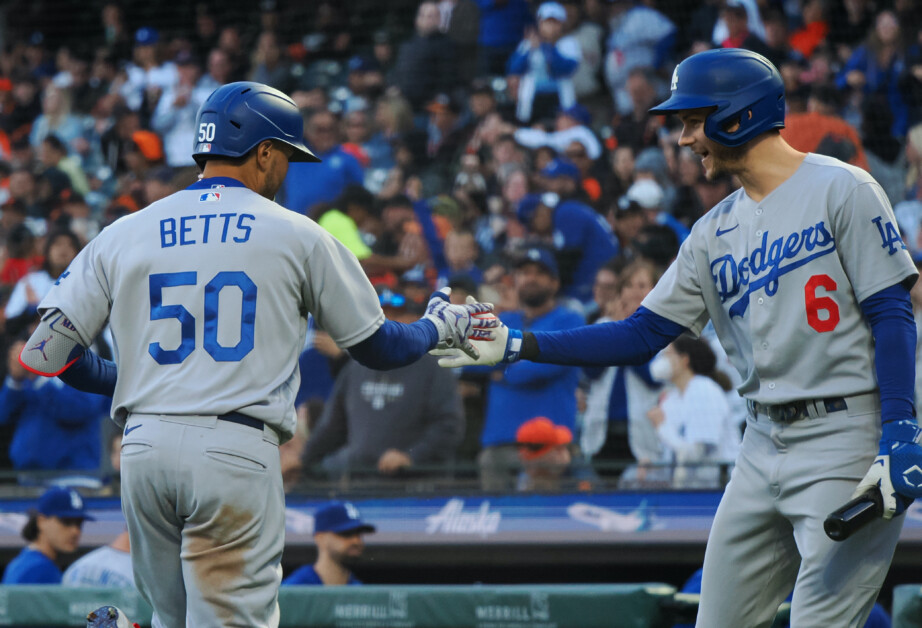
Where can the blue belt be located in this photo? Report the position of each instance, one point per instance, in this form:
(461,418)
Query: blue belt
(242,419)
(796,410)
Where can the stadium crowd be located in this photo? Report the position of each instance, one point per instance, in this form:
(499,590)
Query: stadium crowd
(500,147)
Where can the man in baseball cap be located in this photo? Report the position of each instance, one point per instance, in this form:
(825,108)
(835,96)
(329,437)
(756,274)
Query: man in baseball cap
(53,528)
(338,531)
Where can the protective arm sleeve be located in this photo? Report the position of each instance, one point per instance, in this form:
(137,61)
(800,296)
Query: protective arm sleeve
(634,340)
(53,347)
(889,313)
(395,344)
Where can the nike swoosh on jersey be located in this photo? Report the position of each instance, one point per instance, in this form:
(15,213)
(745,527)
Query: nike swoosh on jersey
(720,231)
(132,428)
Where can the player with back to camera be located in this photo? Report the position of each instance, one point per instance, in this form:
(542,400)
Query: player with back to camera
(803,273)
(207,294)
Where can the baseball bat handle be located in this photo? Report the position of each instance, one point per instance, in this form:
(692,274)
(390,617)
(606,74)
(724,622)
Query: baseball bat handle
(854,515)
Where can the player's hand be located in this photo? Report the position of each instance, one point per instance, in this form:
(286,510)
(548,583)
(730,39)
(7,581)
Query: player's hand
(504,348)
(897,470)
(393,460)
(458,325)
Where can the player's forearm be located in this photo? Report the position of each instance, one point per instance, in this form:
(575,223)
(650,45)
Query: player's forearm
(395,344)
(632,341)
(889,313)
(92,374)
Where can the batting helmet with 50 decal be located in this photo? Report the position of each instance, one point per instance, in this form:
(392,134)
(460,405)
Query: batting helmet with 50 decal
(238,116)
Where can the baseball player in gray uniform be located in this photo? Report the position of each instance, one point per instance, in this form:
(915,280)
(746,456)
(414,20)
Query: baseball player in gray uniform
(806,280)
(207,294)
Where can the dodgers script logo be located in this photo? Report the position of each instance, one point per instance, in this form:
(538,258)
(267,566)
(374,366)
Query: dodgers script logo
(764,266)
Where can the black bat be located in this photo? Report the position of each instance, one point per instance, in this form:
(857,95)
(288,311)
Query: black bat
(854,515)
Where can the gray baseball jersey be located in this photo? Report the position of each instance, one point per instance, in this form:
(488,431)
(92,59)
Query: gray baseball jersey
(207,293)
(782,280)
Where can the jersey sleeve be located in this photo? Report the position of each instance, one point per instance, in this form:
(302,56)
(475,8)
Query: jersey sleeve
(868,242)
(677,295)
(82,292)
(339,294)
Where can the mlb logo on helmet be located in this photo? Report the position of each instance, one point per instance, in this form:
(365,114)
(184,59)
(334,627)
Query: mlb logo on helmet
(209,197)
(675,79)
(206,148)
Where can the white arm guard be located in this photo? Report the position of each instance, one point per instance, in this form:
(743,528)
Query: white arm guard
(50,350)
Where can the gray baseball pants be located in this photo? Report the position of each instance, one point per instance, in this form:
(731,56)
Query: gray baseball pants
(768,537)
(205,509)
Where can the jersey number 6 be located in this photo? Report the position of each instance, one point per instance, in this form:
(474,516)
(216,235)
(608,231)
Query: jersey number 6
(816,304)
(213,288)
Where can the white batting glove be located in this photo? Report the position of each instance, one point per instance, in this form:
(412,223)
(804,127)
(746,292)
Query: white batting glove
(897,469)
(504,347)
(458,325)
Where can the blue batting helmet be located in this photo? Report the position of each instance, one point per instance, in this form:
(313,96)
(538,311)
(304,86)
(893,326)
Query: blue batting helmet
(742,85)
(238,116)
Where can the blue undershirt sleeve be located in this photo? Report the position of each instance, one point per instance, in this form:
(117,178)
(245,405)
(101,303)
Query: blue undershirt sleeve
(889,314)
(395,345)
(632,341)
(91,373)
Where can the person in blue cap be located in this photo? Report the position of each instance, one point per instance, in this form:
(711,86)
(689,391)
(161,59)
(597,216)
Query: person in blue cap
(53,529)
(338,531)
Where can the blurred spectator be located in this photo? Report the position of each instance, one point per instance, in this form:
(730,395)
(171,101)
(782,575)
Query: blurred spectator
(61,247)
(502,24)
(546,61)
(582,238)
(909,212)
(392,420)
(21,107)
(814,30)
(53,529)
(21,256)
(849,23)
(736,18)
(159,183)
(571,126)
(53,154)
(105,566)
(641,37)
(875,68)
(589,34)
(460,20)
(116,36)
(547,463)
(615,428)
(753,21)
(219,69)
(55,426)
(445,138)
(883,150)
(648,194)
(426,63)
(360,133)
(338,532)
(461,253)
(148,76)
(57,119)
(117,140)
(693,420)
(524,390)
(174,116)
(309,184)
(269,65)
(822,127)
(636,127)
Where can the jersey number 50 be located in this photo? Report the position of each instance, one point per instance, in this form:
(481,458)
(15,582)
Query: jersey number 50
(213,288)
